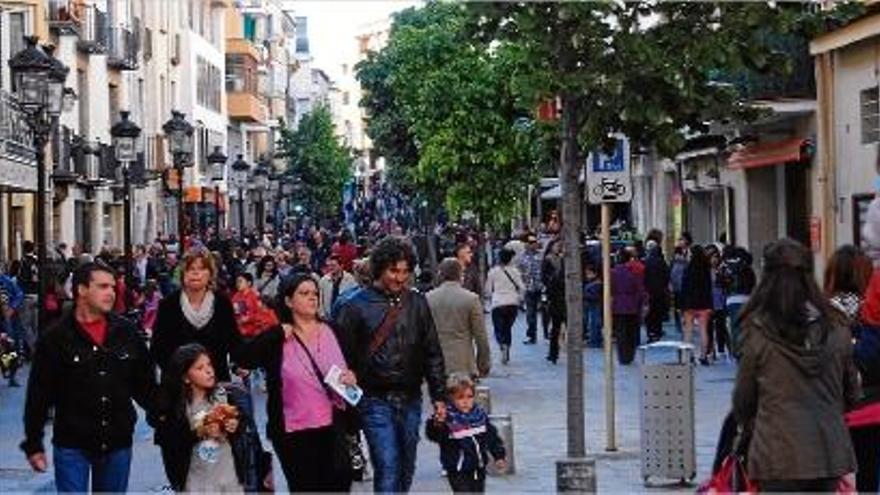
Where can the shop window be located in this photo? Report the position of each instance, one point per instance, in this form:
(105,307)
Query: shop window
(869,104)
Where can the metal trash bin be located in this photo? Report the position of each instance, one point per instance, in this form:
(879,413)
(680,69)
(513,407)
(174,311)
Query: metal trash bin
(668,449)
(504,424)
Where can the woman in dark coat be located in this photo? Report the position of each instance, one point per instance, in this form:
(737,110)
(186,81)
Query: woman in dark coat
(697,301)
(553,277)
(795,378)
(195,314)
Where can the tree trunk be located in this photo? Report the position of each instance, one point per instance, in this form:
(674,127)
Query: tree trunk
(571,227)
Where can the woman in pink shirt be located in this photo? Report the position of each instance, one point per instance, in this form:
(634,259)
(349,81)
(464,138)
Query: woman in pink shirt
(299,407)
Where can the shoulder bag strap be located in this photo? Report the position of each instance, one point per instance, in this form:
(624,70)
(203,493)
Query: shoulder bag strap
(318,374)
(381,334)
(516,285)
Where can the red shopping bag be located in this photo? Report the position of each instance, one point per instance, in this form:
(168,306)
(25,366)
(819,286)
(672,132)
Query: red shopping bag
(731,478)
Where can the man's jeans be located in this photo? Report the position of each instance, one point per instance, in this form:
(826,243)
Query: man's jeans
(533,298)
(593,325)
(109,472)
(392,430)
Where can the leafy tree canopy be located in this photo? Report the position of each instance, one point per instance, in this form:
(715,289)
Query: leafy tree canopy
(442,111)
(316,157)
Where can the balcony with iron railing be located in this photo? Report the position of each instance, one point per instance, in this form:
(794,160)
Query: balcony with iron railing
(94,31)
(124,45)
(15,135)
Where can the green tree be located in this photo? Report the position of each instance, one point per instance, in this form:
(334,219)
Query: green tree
(641,69)
(442,111)
(319,160)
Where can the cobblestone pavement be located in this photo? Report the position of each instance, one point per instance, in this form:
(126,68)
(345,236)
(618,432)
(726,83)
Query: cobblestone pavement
(529,388)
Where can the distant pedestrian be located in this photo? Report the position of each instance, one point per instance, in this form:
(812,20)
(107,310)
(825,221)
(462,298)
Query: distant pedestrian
(461,328)
(738,279)
(89,368)
(471,278)
(11,304)
(553,279)
(592,307)
(657,288)
(795,378)
(389,339)
(696,300)
(335,282)
(505,289)
(530,269)
(628,297)
(466,438)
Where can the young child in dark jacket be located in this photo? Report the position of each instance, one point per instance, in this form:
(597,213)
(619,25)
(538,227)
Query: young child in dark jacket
(466,437)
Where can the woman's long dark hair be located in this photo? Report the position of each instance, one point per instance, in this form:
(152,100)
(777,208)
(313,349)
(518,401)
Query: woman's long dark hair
(699,265)
(285,315)
(848,270)
(173,379)
(787,291)
(261,266)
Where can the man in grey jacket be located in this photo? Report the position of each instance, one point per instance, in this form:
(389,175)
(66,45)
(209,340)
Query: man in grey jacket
(458,315)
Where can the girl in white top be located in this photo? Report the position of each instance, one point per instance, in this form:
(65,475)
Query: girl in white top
(505,289)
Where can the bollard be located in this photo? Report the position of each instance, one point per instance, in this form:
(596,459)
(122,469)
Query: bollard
(576,475)
(504,424)
(483,397)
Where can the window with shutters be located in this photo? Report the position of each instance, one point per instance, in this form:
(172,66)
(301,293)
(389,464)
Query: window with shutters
(869,103)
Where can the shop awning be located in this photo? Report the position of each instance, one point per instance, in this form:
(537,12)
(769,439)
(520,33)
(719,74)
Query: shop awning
(554,192)
(771,153)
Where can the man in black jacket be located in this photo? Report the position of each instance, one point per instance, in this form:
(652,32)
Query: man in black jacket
(387,334)
(657,286)
(89,367)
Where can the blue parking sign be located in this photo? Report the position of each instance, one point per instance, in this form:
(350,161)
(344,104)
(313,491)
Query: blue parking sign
(609,163)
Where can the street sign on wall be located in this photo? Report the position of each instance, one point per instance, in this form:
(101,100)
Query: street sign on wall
(609,178)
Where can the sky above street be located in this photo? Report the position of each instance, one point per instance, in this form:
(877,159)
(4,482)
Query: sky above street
(333,23)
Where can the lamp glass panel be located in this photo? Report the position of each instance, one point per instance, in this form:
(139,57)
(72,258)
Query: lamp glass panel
(125,150)
(32,89)
(56,98)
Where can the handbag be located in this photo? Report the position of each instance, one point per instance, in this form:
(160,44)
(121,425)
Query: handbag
(348,457)
(731,478)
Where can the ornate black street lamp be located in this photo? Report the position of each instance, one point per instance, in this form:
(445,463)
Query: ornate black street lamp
(180,135)
(275,196)
(261,186)
(38,80)
(240,172)
(125,135)
(217,160)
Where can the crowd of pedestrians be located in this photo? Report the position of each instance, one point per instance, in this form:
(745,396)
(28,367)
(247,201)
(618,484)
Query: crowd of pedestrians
(365,303)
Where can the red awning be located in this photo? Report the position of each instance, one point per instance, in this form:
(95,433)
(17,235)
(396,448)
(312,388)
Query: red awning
(770,153)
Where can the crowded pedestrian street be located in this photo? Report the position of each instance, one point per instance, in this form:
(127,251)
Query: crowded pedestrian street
(528,388)
(303,246)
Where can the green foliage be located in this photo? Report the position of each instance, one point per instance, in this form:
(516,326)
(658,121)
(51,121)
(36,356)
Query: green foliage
(315,155)
(443,112)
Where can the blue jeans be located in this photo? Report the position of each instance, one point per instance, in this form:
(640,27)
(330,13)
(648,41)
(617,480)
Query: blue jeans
(593,325)
(109,471)
(533,298)
(392,430)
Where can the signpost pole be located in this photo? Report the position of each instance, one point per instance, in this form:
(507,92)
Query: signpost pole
(610,441)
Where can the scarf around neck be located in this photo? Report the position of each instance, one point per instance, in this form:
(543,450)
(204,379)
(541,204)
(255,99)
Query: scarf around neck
(198,317)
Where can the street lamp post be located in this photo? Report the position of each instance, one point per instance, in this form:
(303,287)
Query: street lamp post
(217,160)
(287,189)
(275,196)
(261,185)
(125,134)
(240,170)
(38,79)
(180,133)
